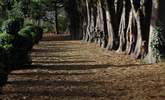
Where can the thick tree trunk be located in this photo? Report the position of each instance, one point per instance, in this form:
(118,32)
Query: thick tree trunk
(104,36)
(157,18)
(109,30)
(87,34)
(123,26)
(71,7)
(99,23)
(110,13)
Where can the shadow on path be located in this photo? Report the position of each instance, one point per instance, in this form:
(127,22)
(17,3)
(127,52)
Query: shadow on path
(65,67)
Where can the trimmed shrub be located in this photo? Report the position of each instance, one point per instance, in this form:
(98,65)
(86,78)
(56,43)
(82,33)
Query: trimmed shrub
(12,55)
(3,75)
(6,46)
(20,21)
(3,69)
(12,26)
(19,57)
(26,38)
(37,34)
(16,45)
(34,32)
(5,55)
(28,24)
(6,39)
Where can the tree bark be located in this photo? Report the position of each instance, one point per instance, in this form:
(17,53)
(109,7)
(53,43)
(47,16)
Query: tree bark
(157,17)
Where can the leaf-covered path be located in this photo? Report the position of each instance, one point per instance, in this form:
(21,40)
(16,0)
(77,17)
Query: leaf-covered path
(72,70)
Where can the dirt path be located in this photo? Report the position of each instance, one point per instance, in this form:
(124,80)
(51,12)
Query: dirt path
(71,70)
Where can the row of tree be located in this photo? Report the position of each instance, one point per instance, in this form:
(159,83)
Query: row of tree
(135,27)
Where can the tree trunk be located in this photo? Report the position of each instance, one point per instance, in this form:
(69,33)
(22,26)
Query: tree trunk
(74,15)
(56,19)
(157,18)
(121,25)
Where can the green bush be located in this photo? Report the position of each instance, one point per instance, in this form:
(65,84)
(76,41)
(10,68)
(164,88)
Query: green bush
(25,37)
(28,24)
(16,43)
(37,34)
(10,54)
(5,55)
(3,68)
(6,46)
(3,75)
(6,39)
(13,57)
(20,57)
(34,32)
(20,21)
(12,26)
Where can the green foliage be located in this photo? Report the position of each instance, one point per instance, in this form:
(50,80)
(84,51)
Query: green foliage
(13,57)
(158,42)
(36,11)
(62,23)
(16,11)
(48,27)
(1,22)
(33,32)
(7,25)
(26,38)
(19,57)
(6,56)
(24,7)
(12,26)
(2,66)
(15,41)
(3,75)
(28,24)
(9,54)
(37,34)
(6,39)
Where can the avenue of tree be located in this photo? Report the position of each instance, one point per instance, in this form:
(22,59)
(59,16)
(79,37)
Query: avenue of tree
(134,27)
